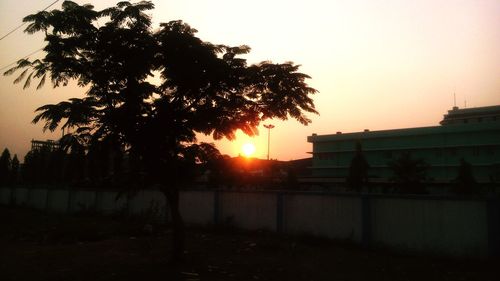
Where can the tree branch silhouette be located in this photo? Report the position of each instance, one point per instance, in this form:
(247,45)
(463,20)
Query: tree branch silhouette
(204,88)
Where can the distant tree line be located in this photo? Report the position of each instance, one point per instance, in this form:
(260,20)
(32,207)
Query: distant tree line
(9,168)
(99,166)
(104,165)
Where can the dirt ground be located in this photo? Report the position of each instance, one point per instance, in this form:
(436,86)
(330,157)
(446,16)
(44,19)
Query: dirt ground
(38,246)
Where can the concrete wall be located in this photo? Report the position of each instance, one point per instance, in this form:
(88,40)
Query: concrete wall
(58,200)
(248,210)
(82,200)
(109,202)
(447,226)
(323,215)
(21,196)
(148,202)
(197,207)
(5,196)
(38,198)
(454,227)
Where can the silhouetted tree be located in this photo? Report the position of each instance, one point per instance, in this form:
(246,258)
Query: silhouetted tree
(465,183)
(14,169)
(5,166)
(56,163)
(37,166)
(27,170)
(203,88)
(223,172)
(75,169)
(409,174)
(358,170)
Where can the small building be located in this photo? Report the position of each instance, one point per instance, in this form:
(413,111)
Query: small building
(48,144)
(472,134)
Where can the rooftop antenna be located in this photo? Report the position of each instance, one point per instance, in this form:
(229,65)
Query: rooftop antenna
(454,100)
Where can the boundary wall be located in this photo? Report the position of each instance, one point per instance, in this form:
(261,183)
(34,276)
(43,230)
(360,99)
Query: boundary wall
(448,226)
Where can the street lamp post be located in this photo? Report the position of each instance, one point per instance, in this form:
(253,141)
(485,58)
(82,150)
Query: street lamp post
(268,127)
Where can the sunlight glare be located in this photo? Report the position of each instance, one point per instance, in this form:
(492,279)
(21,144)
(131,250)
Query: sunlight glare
(248,149)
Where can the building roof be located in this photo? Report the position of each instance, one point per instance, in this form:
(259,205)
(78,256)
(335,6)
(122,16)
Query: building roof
(476,114)
(452,127)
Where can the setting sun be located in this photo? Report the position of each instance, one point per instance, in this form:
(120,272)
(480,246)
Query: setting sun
(248,149)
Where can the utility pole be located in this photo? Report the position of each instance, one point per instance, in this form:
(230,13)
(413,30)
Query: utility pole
(268,127)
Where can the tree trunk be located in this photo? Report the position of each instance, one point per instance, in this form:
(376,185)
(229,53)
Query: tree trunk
(172,195)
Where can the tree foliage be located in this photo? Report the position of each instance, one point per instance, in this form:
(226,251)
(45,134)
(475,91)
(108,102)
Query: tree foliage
(5,166)
(358,170)
(44,166)
(465,183)
(204,88)
(150,92)
(14,169)
(9,168)
(409,174)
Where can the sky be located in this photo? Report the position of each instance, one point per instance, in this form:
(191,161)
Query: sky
(377,64)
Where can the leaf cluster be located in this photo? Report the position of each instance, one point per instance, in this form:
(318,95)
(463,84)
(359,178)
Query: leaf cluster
(154,90)
(409,173)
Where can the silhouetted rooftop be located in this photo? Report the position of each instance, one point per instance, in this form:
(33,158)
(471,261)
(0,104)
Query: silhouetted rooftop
(472,115)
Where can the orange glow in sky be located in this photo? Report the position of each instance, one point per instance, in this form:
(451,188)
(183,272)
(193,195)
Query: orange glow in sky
(376,64)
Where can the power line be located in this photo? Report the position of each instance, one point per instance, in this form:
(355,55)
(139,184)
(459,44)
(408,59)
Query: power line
(32,53)
(10,32)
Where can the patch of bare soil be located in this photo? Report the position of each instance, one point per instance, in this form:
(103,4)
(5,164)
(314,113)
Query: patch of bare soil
(37,246)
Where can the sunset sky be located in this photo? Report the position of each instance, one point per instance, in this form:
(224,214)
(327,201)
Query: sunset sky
(376,64)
